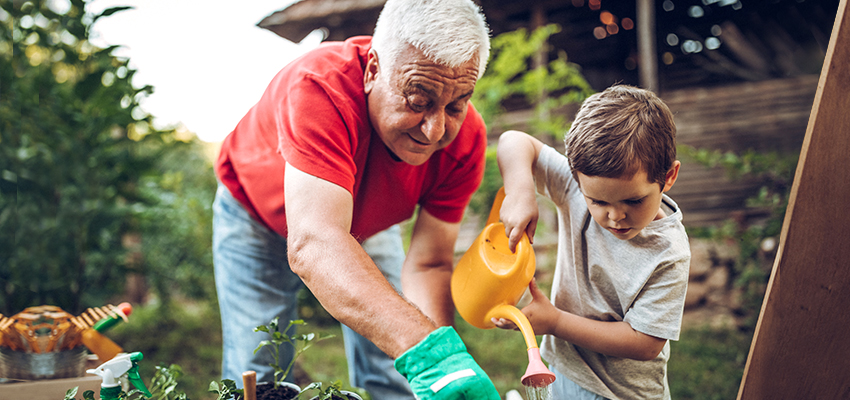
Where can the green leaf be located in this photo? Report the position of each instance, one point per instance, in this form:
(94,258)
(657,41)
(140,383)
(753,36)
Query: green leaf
(111,11)
(71,393)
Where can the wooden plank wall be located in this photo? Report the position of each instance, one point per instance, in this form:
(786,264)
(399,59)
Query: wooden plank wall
(801,348)
(764,116)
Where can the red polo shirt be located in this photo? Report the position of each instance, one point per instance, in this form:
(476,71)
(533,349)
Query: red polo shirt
(314,115)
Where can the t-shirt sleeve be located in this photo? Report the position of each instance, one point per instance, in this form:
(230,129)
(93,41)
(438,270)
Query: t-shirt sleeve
(313,132)
(553,177)
(658,308)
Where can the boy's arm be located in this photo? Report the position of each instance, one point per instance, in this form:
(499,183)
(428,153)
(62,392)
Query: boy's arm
(517,157)
(612,338)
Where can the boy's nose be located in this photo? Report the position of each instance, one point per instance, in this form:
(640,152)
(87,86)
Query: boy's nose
(616,215)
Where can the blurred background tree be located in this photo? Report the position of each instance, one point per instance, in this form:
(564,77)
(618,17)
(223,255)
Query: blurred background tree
(516,76)
(85,177)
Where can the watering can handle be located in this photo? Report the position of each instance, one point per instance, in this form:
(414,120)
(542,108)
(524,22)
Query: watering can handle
(497,206)
(517,317)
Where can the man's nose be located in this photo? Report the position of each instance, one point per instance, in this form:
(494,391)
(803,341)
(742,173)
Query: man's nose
(434,126)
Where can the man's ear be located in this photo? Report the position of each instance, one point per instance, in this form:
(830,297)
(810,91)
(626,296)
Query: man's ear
(370,73)
(671,177)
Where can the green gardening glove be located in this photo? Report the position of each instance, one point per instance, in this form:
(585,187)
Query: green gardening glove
(439,368)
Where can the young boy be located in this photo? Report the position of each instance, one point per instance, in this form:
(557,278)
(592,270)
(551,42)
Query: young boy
(623,256)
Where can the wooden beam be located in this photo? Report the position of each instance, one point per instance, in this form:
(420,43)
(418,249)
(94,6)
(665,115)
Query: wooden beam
(648,56)
(801,348)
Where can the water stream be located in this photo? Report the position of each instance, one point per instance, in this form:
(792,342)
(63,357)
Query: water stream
(539,393)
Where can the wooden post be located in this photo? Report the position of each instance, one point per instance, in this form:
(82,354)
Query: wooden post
(648,59)
(249,385)
(801,348)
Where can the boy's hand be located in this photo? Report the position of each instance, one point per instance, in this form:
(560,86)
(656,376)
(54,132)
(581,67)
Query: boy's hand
(541,314)
(519,213)
(440,368)
(505,323)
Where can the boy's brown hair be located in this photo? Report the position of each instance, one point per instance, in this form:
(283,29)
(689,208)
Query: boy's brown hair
(619,131)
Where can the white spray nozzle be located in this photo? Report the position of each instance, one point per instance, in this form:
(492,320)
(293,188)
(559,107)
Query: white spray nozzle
(112,370)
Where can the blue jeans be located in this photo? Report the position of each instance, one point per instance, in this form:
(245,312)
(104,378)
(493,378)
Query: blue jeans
(564,388)
(255,284)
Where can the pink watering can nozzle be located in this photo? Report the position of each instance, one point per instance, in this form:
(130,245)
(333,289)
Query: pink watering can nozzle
(537,375)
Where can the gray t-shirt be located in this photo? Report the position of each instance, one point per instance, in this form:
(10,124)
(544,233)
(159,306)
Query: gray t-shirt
(641,281)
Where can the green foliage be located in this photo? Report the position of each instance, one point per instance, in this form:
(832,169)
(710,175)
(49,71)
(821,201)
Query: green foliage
(708,364)
(71,393)
(67,163)
(226,389)
(181,333)
(175,224)
(482,200)
(546,87)
(164,384)
(163,387)
(324,392)
(299,343)
(776,173)
(82,169)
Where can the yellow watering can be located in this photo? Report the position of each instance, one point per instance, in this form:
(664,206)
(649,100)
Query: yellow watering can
(488,282)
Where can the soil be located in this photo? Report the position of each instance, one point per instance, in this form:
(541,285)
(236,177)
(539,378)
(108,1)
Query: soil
(267,391)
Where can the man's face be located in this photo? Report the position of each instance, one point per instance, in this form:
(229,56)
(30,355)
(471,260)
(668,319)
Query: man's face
(417,106)
(623,206)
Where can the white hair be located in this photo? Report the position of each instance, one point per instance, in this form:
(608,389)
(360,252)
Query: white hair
(449,32)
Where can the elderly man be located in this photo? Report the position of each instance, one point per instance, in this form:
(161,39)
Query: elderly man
(346,142)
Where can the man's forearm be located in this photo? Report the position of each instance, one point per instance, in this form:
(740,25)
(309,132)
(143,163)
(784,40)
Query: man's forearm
(429,288)
(352,289)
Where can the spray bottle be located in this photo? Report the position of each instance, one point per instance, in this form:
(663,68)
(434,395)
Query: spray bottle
(112,370)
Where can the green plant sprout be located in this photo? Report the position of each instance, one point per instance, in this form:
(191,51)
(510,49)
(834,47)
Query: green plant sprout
(164,383)
(326,393)
(226,389)
(299,343)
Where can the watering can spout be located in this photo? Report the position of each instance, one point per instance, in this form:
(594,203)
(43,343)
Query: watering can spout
(488,282)
(537,375)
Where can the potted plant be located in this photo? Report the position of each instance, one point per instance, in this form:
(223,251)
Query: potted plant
(330,392)
(280,389)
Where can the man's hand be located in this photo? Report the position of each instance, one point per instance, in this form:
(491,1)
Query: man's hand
(440,368)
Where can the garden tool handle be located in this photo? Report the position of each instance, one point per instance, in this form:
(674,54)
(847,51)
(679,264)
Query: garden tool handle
(514,314)
(249,385)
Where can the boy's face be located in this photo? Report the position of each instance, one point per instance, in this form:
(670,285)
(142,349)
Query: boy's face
(624,206)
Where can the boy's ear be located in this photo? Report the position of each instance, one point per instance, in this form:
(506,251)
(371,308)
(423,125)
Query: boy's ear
(672,174)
